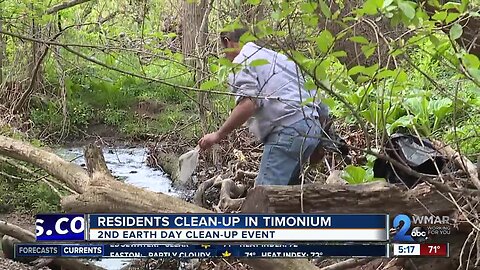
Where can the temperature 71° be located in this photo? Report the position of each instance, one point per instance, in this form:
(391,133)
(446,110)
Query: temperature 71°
(433,249)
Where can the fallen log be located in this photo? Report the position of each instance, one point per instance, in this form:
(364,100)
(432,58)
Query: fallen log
(101,193)
(375,197)
(462,162)
(22,235)
(71,174)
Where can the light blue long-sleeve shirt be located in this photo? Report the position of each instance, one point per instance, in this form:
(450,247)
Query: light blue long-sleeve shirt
(277,89)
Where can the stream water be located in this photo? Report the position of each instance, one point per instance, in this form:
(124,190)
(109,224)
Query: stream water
(128,164)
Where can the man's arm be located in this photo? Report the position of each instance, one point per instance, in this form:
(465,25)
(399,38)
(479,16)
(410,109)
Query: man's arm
(241,113)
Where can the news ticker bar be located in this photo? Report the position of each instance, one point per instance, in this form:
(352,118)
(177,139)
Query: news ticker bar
(212,227)
(200,251)
(430,250)
(155,250)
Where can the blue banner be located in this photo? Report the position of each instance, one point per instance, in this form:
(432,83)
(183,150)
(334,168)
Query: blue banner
(200,251)
(60,227)
(212,227)
(236,221)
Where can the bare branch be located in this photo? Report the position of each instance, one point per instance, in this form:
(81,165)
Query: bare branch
(65,5)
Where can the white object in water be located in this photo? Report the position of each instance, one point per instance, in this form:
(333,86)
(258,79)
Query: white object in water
(187,164)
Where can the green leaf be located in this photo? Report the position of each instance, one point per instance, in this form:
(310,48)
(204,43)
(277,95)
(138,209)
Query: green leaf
(471,61)
(247,37)
(456,31)
(354,174)
(451,5)
(407,9)
(368,50)
(342,87)
(208,85)
(386,3)
(339,54)
(259,62)
(402,77)
(325,9)
(276,15)
(320,70)
(214,68)
(371,70)
(336,14)
(310,20)
(441,107)
(225,62)
(464,6)
(299,57)
(417,105)
(474,13)
(435,41)
(310,85)
(281,33)
(362,79)
(324,41)
(385,74)
(404,121)
(330,102)
(440,15)
(308,7)
(369,7)
(232,26)
(254,2)
(475,73)
(355,70)
(359,39)
(452,17)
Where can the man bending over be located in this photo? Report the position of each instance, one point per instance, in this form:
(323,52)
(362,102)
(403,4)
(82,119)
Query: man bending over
(272,100)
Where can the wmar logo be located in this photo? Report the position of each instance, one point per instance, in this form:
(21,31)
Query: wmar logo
(417,234)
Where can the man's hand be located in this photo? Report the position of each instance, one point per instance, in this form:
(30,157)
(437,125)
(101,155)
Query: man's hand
(208,140)
(240,114)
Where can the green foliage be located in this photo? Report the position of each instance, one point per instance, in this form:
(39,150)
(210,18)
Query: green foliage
(25,195)
(49,118)
(467,135)
(358,175)
(114,117)
(433,89)
(98,95)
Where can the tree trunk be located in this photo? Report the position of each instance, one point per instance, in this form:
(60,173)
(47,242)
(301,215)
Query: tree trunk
(470,38)
(193,14)
(194,34)
(251,14)
(378,33)
(2,49)
(376,197)
(34,72)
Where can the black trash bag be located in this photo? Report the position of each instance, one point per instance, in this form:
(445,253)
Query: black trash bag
(331,141)
(408,150)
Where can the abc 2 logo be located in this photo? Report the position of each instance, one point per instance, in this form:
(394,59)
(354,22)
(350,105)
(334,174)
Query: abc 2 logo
(404,233)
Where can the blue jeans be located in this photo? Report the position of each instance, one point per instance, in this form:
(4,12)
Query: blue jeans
(286,151)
